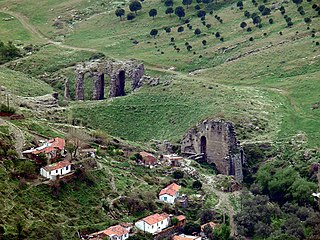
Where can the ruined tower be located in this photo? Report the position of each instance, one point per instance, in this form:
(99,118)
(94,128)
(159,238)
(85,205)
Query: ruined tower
(216,141)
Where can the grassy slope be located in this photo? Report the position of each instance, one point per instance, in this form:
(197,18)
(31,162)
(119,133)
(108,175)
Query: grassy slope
(276,75)
(23,85)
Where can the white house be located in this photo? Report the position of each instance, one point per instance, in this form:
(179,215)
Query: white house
(116,232)
(170,193)
(153,223)
(53,170)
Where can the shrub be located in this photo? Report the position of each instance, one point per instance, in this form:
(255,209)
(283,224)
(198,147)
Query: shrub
(131,16)
(197,184)
(178,174)
(197,31)
(180,29)
(154,33)
(271,21)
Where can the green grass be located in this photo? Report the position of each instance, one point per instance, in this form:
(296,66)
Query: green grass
(13,30)
(23,85)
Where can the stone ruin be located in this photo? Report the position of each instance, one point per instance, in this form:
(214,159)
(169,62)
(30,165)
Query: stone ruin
(215,141)
(116,70)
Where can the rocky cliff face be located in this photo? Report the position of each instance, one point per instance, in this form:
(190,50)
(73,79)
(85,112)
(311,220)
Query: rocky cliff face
(216,141)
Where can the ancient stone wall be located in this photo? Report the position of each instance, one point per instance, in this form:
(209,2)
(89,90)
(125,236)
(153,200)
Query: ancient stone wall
(216,141)
(116,70)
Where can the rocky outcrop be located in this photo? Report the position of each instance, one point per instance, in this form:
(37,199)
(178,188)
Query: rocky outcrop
(215,141)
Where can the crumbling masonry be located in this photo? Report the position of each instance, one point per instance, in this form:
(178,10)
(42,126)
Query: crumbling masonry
(116,70)
(215,141)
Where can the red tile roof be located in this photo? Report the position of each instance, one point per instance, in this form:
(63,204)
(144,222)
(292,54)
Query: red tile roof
(57,165)
(116,230)
(181,217)
(171,190)
(185,237)
(145,154)
(55,143)
(155,218)
(211,224)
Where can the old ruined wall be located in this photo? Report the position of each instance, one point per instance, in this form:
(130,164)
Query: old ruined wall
(216,140)
(116,70)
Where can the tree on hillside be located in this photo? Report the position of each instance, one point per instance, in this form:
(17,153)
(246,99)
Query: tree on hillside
(131,16)
(76,138)
(120,12)
(154,33)
(297,1)
(201,14)
(187,3)
(153,12)
(180,29)
(206,1)
(169,11)
(167,29)
(135,6)
(197,31)
(247,14)
(168,3)
(243,25)
(179,11)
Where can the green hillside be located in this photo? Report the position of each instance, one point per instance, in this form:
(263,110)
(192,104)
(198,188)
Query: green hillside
(264,77)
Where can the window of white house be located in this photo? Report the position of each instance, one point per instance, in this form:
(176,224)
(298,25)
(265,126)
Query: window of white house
(161,222)
(152,226)
(56,171)
(67,167)
(165,198)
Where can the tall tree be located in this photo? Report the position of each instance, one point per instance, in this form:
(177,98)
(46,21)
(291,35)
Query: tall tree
(169,11)
(135,6)
(153,12)
(187,3)
(120,12)
(154,33)
(168,3)
(179,11)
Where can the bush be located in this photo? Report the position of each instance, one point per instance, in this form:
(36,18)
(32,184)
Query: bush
(178,174)
(7,109)
(131,16)
(197,31)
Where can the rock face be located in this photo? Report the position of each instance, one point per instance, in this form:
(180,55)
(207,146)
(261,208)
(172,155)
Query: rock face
(116,70)
(216,141)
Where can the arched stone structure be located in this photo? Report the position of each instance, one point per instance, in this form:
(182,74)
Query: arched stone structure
(116,70)
(216,141)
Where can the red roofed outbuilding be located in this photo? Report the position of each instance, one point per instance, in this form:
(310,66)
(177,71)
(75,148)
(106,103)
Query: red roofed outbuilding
(53,149)
(56,169)
(169,193)
(116,232)
(154,223)
(148,158)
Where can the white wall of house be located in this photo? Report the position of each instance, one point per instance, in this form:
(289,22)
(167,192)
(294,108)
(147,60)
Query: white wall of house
(167,198)
(123,237)
(54,173)
(143,226)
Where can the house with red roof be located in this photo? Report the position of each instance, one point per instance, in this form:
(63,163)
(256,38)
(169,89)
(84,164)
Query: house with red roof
(116,232)
(186,237)
(56,169)
(169,193)
(53,149)
(154,223)
(148,159)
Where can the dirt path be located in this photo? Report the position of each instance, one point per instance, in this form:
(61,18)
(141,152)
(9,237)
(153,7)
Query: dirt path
(224,203)
(35,32)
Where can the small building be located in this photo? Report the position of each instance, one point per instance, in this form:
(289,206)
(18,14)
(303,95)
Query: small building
(56,169)
(154,223)
(186,237)
(174,159)
(148,158)
(116,232)
(170,193)
(53,149)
